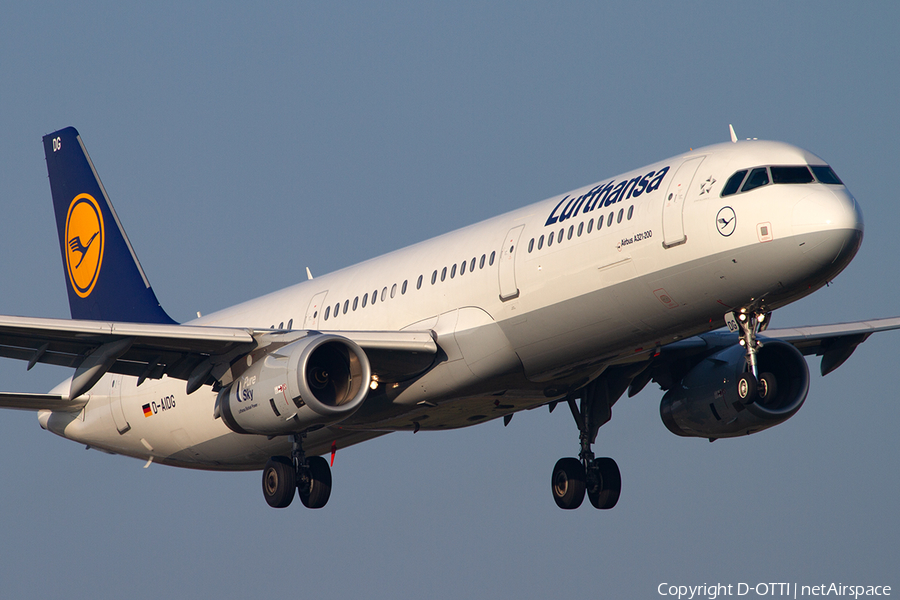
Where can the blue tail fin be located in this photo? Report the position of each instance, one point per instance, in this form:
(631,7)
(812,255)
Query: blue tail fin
(103,276)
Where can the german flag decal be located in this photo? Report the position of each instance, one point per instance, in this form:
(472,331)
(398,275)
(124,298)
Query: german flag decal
(148,412)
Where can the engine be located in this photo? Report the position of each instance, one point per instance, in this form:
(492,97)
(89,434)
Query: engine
(318,380)
(706,403)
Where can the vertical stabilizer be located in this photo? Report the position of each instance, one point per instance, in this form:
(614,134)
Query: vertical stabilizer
(104,279)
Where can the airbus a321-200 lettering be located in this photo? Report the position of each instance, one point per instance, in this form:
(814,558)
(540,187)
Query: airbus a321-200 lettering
(576,299)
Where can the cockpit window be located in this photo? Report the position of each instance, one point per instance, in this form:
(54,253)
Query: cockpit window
(791,175)
(757,178)
(825,174)
(733,183)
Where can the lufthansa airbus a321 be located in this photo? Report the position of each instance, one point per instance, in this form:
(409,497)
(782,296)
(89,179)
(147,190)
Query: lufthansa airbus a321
(668,273)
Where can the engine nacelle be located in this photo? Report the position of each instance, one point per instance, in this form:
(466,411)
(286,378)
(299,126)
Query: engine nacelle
(318,380)
(706,403)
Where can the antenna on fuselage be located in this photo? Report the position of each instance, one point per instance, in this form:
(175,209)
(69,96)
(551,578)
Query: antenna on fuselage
(308,273)
(733,134)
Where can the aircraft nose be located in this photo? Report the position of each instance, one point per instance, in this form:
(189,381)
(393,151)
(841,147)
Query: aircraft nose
(827,209)
(832,222)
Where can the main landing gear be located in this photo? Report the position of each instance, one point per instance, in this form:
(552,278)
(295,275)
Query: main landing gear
(752,386)
(310,477)
(599,477)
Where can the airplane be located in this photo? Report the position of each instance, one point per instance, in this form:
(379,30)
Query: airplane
(668,273)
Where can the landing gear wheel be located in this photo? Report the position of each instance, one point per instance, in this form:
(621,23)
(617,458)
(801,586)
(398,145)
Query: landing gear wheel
(605,493)
(278,481)
(767,389)
(747,388)
(314,483)
(568,483)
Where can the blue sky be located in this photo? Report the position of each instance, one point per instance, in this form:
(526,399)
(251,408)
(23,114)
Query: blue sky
(242,143)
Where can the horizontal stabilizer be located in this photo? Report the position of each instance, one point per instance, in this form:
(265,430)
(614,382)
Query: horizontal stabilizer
(40,402)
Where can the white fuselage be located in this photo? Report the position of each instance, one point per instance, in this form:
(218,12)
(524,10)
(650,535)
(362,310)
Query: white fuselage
(521,319)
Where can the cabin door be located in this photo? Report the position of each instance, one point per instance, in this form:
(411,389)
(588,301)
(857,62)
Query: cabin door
(508,287)
(314,311)
(673,205)
(115,404)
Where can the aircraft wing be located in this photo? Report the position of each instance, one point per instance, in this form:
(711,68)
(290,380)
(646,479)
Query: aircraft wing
(834,343)
(196,354)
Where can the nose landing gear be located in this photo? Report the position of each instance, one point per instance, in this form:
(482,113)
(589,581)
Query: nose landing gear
(753,385)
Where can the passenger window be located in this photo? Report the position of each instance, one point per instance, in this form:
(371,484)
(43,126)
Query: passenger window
(462,267)
(355,302)
(580,228)
(560,236)
(472,266)
(393,290)
(609,220)
(383,293)
(571,231)
(733,183)
(550,239)
(791,175)
(433,277)
(825,174)
(590,225)
(491,262)
(630,211)
(621,214)
(365,299)
(540,242)
(758,177)
(403,289)
(374,296)
(530,245)
(337,309)
(599,223)
(443,273)
(419,283)
(291,322)
(481,262)
(346,306)
(327,312)
(453,271)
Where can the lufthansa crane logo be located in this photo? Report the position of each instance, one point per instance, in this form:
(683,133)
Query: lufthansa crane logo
(85,238)
(726,221)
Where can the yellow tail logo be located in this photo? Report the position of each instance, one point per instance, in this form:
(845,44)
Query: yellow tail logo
(85,239)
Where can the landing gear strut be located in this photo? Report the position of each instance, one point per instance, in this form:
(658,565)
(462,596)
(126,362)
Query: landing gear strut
(599,477)
(752,385)
(310,477)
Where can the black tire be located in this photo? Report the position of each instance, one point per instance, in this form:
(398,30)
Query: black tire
(567,483)
(314,488)
(747,388)
(767,388)
(606,494)
(279,481)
